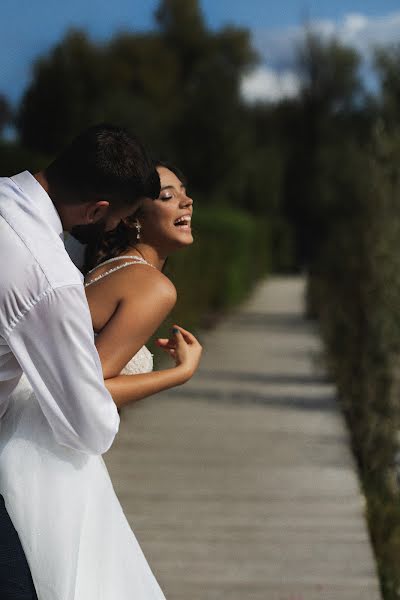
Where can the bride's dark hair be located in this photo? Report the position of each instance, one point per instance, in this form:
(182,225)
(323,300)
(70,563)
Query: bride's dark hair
(114,242)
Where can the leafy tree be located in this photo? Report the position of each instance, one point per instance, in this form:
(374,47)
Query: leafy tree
(64,94)
(5,113)
(387,64)
(181,24)
(323,117)
(178,87)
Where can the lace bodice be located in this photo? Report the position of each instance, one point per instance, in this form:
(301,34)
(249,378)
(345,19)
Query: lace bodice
(142,362)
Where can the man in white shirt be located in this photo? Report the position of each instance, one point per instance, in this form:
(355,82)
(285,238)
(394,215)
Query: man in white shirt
(45,325)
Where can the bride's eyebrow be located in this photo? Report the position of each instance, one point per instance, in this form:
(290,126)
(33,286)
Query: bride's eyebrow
(167,187)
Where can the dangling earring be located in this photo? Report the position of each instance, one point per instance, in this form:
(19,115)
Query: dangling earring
(138,229)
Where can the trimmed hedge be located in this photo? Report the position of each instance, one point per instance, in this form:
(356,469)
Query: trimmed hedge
(230,252)
(354,288)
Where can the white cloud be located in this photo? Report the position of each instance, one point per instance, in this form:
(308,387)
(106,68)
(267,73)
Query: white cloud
(277,48)
(277,78)
(364,33)
(265,84)
(354,23)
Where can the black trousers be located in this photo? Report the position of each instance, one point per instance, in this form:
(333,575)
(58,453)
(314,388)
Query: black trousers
(15,577)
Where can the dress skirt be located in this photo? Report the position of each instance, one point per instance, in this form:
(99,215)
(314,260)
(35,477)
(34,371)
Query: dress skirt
(74,533)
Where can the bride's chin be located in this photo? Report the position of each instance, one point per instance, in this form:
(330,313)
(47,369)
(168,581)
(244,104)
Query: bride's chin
(179,244)
(186,240)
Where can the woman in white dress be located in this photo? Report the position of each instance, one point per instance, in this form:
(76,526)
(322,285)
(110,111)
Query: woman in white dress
(76,538)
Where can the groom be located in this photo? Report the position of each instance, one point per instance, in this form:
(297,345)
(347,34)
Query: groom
(45,325)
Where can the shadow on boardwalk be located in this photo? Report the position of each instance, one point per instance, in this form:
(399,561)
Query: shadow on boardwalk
(240,485)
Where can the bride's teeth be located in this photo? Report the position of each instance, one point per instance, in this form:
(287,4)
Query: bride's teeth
(183,220)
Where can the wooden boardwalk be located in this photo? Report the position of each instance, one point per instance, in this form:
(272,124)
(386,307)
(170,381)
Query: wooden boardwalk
(240,485)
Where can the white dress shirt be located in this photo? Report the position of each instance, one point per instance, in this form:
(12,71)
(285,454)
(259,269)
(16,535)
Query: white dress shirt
(45,324)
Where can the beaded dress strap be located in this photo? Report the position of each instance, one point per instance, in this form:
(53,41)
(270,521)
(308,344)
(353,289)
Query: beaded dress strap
(110,260)
(133,260)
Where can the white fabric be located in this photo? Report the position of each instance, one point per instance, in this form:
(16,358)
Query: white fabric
(75,536)
(74,533)
(45,325)
(142,362)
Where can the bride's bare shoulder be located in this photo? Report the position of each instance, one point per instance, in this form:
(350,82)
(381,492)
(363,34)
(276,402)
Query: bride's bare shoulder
(135,289)
(127,281)
(147,281)
(135,284)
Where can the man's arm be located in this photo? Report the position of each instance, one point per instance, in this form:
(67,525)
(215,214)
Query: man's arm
(53,343)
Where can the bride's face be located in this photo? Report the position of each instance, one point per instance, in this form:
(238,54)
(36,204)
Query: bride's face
(166,222)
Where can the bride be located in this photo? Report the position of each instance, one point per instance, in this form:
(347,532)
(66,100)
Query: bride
(76,538)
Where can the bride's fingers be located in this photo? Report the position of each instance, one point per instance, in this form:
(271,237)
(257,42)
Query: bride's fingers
(165,343)
(188,337)
(170,351)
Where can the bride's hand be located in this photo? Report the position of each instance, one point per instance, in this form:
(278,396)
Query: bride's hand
(184,348)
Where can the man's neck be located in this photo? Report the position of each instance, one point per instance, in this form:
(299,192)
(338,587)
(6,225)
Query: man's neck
(42,179)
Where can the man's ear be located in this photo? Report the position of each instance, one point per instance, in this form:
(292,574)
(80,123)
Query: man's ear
(96,211)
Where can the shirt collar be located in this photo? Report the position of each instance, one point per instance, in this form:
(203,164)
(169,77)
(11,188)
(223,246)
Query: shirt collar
(32,188)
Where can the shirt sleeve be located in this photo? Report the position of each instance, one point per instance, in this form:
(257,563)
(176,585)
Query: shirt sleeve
(53,343)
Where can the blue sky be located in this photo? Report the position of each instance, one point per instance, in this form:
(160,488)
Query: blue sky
(28,29)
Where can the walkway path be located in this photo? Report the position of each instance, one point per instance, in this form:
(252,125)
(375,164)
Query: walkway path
(240,485)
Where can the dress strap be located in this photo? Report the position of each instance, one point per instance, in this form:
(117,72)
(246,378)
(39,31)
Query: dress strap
(110,260)
(133,260)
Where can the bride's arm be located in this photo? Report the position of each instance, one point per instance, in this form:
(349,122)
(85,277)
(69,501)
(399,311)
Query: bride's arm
(145,299)
(141,298)
(128,388)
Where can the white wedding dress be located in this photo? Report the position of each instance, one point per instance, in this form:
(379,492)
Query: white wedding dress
(76,538)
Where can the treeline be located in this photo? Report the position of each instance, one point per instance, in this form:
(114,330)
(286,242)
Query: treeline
(345,204)
(178,88)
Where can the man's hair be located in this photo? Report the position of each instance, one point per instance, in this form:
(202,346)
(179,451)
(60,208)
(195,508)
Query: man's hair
(104,163)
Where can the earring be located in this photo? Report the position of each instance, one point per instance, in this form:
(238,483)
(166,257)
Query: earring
(138,229)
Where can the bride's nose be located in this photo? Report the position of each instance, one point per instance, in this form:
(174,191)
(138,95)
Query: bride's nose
(186,200)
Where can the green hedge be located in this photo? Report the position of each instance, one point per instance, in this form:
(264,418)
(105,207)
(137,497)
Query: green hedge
(354,288)
(230,252)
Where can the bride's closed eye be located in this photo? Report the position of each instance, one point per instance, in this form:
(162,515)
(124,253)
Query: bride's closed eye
(171,192)
(167,195)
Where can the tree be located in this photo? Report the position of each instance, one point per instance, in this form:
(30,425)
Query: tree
(210,135)
(64,94)
(387,64)
(323,119)
(181,24)
(177,87)
(5,113)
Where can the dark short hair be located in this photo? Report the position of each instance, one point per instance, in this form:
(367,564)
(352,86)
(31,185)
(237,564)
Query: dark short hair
(105,162)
